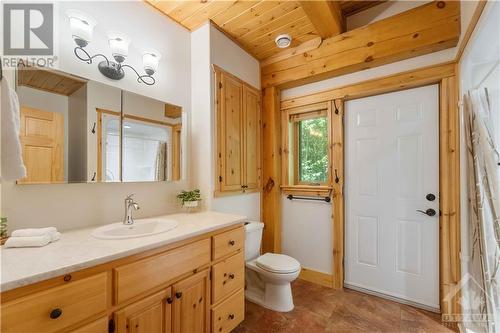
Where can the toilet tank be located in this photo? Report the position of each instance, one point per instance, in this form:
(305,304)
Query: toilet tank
(253,237)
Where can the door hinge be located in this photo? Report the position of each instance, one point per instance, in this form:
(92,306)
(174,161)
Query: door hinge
(111,326)
(220,179)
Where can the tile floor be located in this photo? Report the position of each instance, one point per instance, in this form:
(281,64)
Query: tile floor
(321,309)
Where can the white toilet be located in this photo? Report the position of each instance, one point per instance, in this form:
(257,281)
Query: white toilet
(268,276)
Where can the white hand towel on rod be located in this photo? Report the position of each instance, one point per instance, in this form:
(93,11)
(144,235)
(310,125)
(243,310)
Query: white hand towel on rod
(11,155)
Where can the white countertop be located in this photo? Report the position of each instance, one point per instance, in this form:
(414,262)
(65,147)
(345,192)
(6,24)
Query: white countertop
(78,249)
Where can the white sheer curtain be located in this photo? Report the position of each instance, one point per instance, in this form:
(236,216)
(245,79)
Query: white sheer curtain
(484,208)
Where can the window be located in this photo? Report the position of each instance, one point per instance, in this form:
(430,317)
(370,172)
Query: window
(312,151)
(306,153)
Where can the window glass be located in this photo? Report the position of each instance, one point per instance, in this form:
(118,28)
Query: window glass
(312,151)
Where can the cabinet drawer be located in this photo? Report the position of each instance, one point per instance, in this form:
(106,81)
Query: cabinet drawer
(58,307)
(138,277)
(227,315)
(229,276)
(98,326)
(227,242)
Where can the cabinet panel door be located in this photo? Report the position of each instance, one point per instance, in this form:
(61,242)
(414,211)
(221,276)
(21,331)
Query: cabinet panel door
(230,134)
(149,315)
(42,140)
(251,116)
(191,304)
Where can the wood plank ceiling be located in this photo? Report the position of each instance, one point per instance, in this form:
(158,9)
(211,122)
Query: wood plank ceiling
(255,24)
(48,80)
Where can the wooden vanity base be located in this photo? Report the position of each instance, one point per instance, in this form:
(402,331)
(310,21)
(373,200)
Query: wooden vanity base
(195,285)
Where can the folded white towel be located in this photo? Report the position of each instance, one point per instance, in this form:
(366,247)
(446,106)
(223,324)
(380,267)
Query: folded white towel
(12,157)
(34,241)
(55,236)
(33,232)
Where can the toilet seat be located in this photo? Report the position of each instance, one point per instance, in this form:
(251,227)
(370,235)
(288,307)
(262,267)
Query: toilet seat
(278,263)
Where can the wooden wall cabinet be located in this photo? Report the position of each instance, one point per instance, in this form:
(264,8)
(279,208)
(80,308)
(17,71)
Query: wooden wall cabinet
(165,290)
(237,131)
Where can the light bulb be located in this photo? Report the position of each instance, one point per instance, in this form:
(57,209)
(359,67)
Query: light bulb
(150,61)
(82,27)
(118,43)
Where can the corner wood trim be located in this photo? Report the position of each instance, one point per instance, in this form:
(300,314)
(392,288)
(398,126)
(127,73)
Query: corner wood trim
(316,277)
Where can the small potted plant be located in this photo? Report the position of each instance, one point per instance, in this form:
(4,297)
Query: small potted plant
(190,199)
(3,230)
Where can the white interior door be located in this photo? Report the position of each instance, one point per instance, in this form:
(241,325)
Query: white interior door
(392,164)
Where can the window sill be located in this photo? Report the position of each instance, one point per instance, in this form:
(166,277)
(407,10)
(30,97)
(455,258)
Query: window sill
(307,190)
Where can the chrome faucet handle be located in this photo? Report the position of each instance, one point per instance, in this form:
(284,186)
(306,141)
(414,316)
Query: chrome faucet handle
(129,197)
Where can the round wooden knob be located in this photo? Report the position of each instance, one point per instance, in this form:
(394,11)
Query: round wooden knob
(231,276)
(232,242)
(56,313)
(67,277)
(170,300)
(231,316)
(178,294)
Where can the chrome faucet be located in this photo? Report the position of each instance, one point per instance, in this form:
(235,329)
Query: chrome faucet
(129,204)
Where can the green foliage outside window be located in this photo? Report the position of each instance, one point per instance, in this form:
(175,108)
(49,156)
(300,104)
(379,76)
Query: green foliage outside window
(313,150)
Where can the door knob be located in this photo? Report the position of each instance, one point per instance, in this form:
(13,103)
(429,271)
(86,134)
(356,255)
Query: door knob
(430,197)
(428,212)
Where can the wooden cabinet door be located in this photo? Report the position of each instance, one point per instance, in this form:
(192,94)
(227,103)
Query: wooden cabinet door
(191,304)
(251,140)
(42,141)
(230,134)
(152,314)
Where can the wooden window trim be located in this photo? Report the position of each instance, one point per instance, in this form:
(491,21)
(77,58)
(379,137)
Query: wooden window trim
(293,117)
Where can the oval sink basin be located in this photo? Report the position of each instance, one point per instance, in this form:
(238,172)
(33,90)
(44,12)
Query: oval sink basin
(140,228)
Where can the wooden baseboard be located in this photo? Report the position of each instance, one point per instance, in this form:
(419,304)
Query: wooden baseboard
(320,278)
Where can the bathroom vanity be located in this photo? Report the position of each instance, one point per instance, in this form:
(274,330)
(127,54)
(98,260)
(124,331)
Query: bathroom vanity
(189,279)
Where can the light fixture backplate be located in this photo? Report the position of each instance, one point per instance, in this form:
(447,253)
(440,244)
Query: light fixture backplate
(112,70)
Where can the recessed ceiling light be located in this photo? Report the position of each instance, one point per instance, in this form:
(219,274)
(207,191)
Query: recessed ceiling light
(283,41)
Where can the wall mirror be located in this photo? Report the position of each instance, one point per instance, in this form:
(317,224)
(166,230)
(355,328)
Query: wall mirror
(75,130)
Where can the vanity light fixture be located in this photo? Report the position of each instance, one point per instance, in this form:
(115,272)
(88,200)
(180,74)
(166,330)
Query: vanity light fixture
(82,27)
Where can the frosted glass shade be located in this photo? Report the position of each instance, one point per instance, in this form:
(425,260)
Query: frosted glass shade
(118,43)
(150,61)
(81,26)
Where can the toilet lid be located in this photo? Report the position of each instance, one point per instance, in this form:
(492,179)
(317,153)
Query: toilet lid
(278,263)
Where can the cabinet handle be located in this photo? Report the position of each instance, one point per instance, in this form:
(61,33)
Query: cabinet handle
(56,313)
(231,316)
(232,242)
(231,276)
(178,294)
(67,277)
(169,300)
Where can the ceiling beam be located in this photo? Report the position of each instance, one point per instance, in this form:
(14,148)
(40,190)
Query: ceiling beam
(326,17)
(429,28)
